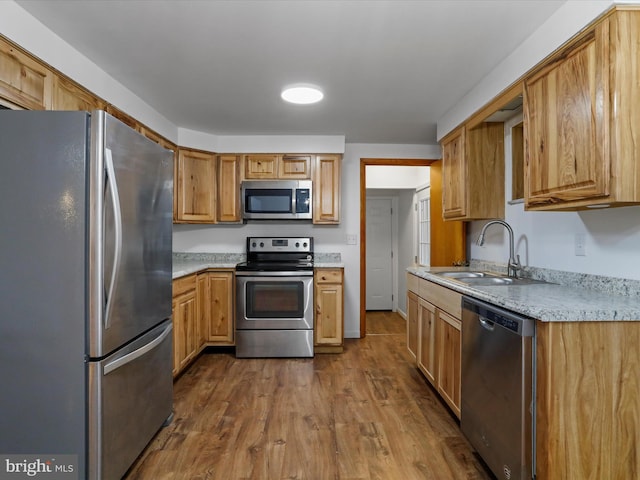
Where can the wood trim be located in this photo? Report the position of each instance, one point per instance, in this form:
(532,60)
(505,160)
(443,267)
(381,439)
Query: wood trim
(398,162)
(496,104)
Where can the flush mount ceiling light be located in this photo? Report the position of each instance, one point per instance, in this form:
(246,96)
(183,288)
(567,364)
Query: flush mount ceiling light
(302,94)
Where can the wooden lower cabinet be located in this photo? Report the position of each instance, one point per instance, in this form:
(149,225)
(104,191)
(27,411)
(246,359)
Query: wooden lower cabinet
(587,400)
(412,324)
(329,313)
(449,357)
(203,314)
(427,357)
(434,334)
(218,326)
(185,330)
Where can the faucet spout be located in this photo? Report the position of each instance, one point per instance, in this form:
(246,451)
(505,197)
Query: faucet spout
(514,265)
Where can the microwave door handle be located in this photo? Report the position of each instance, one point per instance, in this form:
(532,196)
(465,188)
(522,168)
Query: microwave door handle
(117,230)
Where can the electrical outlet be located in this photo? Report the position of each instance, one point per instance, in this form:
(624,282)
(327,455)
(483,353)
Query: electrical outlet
(352,239)
(580,249)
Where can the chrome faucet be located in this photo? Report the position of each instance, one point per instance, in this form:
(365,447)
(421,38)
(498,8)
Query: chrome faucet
(514,261)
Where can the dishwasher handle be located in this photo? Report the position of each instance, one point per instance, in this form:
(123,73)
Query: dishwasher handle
(486,323)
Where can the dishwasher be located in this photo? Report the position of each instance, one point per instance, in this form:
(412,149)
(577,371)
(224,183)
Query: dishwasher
(497,388)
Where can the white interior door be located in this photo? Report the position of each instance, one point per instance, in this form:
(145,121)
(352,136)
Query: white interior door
(379,255)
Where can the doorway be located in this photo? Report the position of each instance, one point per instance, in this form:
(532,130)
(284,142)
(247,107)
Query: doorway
(364,162)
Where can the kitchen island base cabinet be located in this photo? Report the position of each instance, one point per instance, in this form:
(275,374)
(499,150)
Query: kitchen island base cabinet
(587,400)
(329,313)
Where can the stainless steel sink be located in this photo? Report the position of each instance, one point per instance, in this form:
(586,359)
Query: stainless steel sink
(485,278)
(463,274)
(493,281)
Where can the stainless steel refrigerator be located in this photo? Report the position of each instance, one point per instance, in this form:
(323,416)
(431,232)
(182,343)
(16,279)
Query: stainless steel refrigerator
(85,261)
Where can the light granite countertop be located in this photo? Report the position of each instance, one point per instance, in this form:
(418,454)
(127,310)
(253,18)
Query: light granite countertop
(185,263)
(571,298)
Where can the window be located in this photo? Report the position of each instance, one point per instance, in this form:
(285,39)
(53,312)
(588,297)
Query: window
(424,227)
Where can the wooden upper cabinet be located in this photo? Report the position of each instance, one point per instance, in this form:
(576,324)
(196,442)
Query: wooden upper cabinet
(23,81)
(295,167)
(454,193)
(195,186)
(229,188)
(473,172)
(326,189)
(261,166)
(567,158)
(68,95)
(582,120)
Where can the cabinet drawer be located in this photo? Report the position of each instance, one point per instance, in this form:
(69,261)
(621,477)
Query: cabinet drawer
(441,297)
(413,283)
(184,284)
(326,275)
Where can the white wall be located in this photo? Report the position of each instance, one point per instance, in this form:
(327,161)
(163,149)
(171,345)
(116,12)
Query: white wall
(387,176)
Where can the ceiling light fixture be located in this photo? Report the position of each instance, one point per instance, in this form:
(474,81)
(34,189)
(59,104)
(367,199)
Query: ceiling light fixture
(302,94)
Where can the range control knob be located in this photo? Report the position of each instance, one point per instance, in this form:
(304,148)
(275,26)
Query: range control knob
(297,244)
(253,244)
(261,244)
(304,244)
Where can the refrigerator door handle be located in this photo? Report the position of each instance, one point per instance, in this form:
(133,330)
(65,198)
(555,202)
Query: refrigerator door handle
(130,357)
(117,221)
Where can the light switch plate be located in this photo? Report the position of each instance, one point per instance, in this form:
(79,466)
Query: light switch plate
(352,239)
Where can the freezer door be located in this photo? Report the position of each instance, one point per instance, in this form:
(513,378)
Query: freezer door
(130,397)
(131,196)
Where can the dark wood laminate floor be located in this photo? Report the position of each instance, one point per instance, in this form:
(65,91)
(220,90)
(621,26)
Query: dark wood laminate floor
(364,414)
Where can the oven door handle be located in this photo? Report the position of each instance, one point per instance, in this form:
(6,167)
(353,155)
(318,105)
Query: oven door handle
(288,273)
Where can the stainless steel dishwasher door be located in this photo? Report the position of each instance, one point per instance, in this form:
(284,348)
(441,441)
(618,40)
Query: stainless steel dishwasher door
(497,408)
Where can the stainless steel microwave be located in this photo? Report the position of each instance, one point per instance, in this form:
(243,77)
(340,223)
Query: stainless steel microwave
(277,200)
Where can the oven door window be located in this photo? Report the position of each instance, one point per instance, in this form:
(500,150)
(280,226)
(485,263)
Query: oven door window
(275,299)
(272,200)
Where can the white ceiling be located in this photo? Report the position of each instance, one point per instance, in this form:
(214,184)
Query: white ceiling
(389,69)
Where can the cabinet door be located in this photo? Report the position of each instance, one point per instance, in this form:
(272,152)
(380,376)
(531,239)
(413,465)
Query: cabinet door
(221,300)
(454,173)
(204,309)
(229,188)
(68,95)
(329,313)
(412,324)
(448,346)
(184,323)
(196,187)
(566,112)
(326,189)
(23,81)
(426,358)
(260,166)
(295,167)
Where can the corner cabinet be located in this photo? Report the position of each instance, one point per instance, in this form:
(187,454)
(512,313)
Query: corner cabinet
(473,173)
(435,312)
(195,186)
(582,120)
(329,311)
(326,189)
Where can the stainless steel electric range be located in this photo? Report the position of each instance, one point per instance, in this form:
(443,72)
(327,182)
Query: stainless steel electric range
(274,298)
